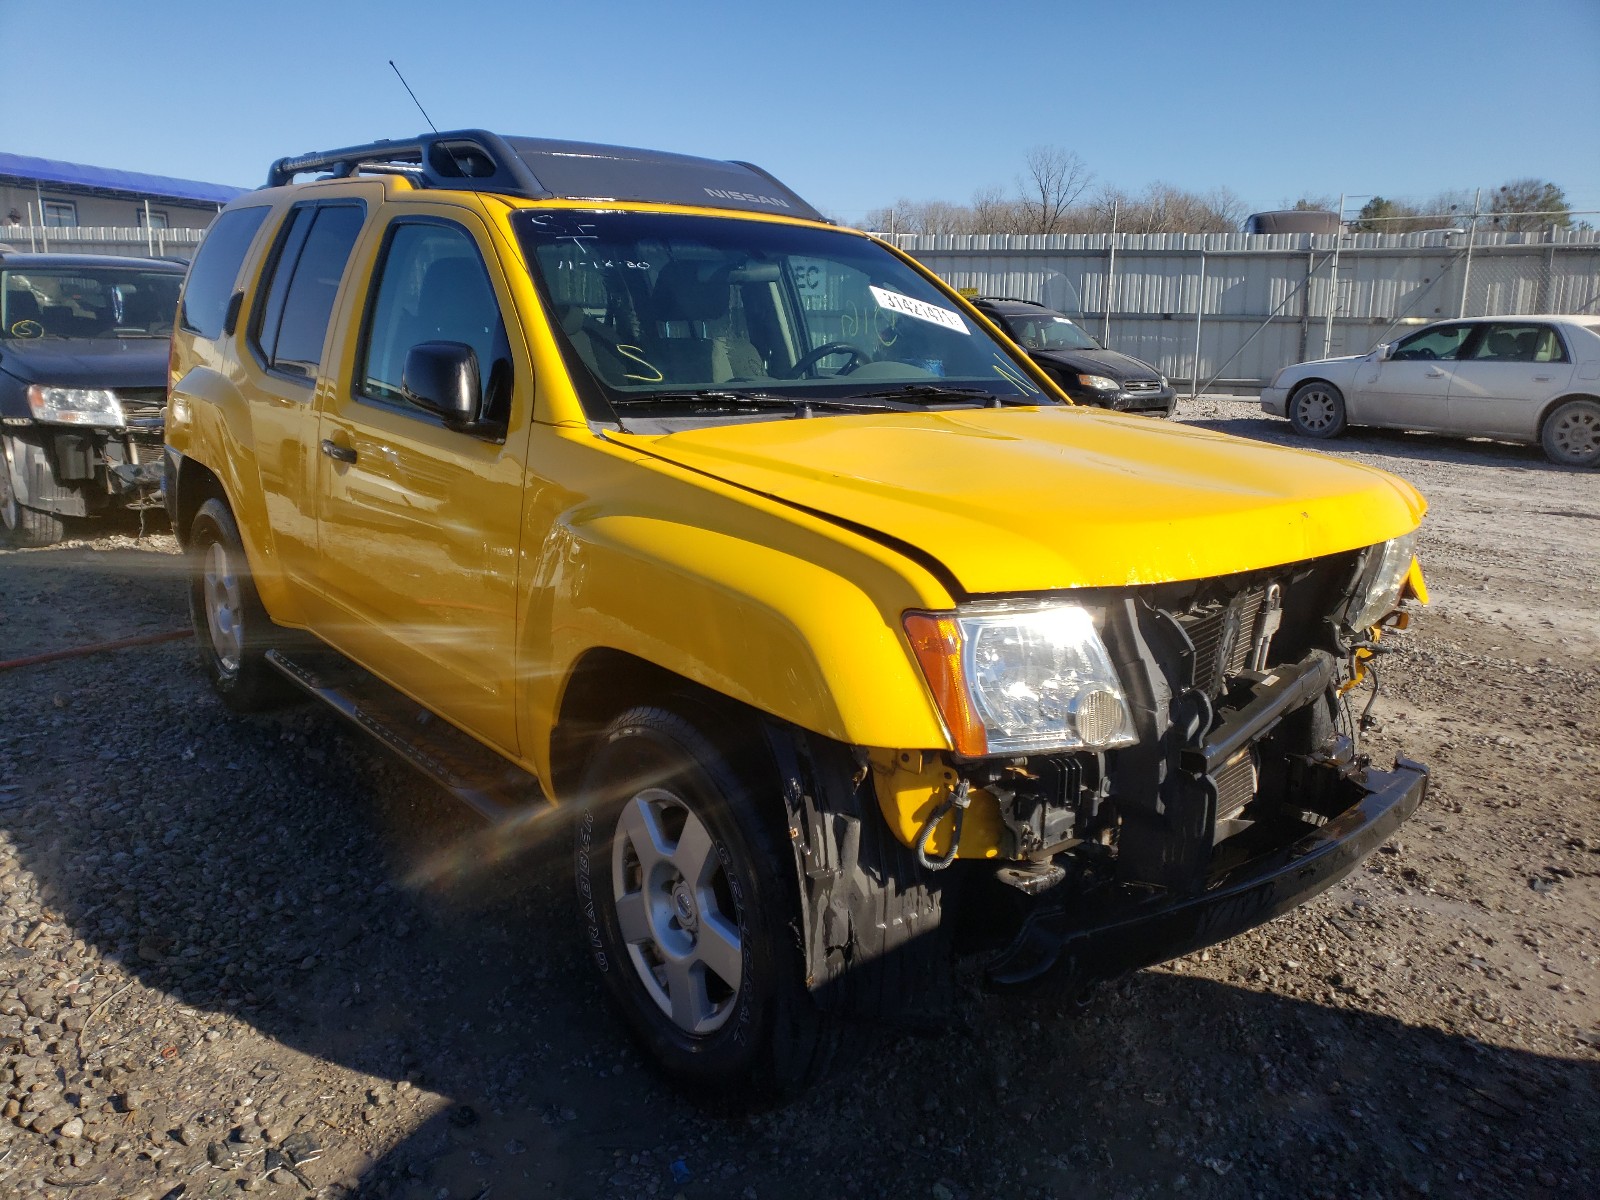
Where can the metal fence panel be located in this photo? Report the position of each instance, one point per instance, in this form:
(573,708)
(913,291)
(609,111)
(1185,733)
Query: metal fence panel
(1261,302)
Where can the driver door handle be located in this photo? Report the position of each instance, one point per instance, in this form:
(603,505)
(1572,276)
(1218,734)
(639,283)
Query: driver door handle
(1433,372)
(337,452)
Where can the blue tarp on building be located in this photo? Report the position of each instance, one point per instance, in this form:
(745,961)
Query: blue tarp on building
(49,171)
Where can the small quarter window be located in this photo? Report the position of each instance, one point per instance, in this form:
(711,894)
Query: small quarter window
(216,267)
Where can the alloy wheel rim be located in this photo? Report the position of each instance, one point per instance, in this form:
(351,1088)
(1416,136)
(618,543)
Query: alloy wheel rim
(676,911)
(223,608)
(1315,409)
(1577,434)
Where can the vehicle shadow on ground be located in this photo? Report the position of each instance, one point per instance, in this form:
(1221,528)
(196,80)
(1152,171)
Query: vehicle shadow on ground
(283,872)
(1390,443)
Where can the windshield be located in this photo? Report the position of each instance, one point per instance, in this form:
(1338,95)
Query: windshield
(659,309)
(87,302)
(1049,333)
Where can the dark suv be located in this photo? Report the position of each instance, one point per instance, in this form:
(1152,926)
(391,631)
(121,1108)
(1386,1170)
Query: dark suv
(83,365)
(1085,369)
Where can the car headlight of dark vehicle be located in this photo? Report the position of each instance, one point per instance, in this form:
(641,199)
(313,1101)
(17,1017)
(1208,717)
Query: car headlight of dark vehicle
(1100,383)
(75,406)
(1383,574)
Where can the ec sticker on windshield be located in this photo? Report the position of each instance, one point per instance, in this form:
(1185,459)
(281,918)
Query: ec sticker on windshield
(920,309)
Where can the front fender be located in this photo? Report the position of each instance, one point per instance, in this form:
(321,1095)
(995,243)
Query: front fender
(781,633)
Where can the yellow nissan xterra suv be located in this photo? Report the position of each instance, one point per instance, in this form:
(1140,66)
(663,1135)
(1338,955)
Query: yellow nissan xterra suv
(624,485)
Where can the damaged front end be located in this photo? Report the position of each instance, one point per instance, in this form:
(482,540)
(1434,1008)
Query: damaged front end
(80,469)
(1234,791)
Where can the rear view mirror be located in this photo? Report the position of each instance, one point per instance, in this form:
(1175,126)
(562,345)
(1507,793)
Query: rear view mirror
(442,378)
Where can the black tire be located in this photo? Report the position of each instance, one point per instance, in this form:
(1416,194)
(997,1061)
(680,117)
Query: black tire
(1571,434)
(231,628)
(1316,410)
(655,776)
(26,526)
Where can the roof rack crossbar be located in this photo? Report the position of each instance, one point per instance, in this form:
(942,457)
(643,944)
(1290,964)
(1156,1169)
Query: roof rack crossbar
(466,159)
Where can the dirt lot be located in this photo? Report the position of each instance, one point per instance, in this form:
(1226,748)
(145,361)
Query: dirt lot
(219,933)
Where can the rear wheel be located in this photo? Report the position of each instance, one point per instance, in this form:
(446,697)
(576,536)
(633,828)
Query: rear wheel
(26,526)
(689,902)
(231,628)
(1317,410)
(1571,434)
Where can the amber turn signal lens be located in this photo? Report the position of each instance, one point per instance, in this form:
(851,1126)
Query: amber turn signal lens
(936,641)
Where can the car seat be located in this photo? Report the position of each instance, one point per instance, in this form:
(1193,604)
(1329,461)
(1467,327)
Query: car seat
(695,342)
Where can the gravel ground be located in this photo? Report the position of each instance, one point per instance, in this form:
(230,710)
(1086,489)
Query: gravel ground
(225,942)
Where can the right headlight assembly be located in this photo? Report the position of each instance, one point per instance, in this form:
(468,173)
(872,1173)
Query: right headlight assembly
(1383,574)
(1021,679)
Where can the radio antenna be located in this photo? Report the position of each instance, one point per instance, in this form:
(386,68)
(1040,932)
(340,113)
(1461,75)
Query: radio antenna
(414,99)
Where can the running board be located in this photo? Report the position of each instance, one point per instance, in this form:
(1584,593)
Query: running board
(470,771)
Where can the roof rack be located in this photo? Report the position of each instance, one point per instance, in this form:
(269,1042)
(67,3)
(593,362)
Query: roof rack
(545,169)
(467,158)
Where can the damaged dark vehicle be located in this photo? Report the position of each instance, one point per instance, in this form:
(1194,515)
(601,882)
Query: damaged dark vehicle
(83,361)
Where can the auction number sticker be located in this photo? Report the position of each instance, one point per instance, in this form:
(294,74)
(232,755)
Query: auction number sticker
(919,309)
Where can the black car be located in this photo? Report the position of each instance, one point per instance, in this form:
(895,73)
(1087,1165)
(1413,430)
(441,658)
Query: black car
(1086,370)
(83,364)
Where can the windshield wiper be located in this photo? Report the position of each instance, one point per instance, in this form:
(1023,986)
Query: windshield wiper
(716,397)
(942,391)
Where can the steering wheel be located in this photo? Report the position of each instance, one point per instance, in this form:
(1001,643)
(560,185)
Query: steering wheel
(1423,352)
(810,359)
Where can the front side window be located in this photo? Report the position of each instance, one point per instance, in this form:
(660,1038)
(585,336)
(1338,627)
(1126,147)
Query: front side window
(660,309)
(89,302)
(313,248)
(1442,342)
(1519,343)
(434,287)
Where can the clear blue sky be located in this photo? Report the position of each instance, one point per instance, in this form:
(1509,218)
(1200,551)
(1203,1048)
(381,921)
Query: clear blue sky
(853,104)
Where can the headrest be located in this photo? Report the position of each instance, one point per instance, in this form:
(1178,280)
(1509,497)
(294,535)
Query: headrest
(691,291)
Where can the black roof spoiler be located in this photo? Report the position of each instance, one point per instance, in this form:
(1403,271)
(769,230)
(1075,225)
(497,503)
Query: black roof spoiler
(545,169)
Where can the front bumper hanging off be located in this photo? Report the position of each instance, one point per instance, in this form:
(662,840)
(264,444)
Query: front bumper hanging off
(1077,940)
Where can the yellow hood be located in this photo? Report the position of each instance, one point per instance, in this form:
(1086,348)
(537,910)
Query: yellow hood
(1034,499)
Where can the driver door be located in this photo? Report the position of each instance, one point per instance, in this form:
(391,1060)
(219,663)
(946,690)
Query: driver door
(1411,388)
(419,522)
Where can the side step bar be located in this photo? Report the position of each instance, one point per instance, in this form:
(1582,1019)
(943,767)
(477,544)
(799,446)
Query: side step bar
(468,770)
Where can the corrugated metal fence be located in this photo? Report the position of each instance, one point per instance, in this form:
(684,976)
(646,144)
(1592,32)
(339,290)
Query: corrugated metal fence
(1242,305)
(1237,305)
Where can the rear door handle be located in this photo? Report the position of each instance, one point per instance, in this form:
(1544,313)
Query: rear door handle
(337,452)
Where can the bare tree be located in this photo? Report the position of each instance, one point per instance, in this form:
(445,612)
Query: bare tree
(1527,205)
(1053,180)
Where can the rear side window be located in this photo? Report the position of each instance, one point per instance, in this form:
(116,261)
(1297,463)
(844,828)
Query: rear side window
(216,266)
(313,248)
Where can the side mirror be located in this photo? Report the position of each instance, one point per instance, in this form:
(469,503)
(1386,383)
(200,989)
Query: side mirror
(442,378)
(1385,351)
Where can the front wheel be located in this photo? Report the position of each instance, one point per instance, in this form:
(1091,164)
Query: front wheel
(1316,410)
(231,628)
(1571,434)
(27,526)
(689,904)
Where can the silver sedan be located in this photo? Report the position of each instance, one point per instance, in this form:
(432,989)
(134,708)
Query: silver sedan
(1524,379)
